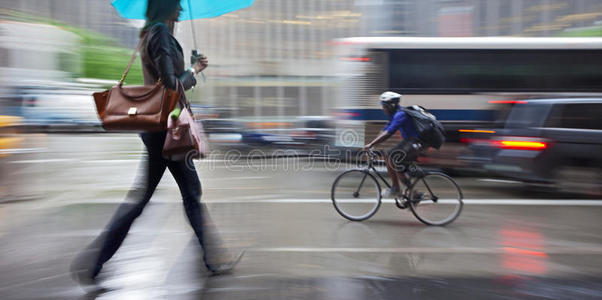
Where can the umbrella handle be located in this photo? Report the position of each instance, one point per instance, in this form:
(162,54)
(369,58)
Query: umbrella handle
(194,51)
(192,25)
(194,59)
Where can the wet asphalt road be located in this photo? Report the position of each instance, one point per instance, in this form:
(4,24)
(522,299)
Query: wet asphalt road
(297,246)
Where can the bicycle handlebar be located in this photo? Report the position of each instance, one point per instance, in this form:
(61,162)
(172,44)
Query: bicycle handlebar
(372,154)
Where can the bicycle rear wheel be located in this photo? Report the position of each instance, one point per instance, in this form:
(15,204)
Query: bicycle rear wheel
(356,195)
(436,199)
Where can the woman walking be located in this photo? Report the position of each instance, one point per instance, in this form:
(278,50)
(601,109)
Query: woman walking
(162,59)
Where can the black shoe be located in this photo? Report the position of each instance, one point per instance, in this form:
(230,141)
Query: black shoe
(226,268)
(418,196)
(83,277)
(401,203)
(88,282)
(83,273)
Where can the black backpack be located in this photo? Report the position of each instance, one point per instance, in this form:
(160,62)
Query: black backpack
(429,130)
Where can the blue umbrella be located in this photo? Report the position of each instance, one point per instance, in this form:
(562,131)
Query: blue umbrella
(192,9)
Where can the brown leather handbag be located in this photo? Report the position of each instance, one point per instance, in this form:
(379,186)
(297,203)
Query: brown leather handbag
(135,108)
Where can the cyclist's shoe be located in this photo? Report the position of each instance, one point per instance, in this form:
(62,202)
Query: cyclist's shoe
(417,196)
(401,203)
(391,193)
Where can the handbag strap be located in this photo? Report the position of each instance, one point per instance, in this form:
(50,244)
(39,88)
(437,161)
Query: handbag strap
(127,70)
(183,100)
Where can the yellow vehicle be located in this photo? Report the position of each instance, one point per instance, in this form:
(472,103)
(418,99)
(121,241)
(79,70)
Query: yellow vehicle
(8,135)
(10,142)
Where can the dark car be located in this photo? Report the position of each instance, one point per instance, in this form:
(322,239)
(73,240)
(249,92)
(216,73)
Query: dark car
(554,142)
(314,132)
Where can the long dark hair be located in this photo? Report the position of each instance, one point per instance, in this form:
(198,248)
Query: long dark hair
(159,11)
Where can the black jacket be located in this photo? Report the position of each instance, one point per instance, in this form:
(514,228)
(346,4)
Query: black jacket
(162,57)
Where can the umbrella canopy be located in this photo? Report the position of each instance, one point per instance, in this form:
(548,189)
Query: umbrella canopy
(201,9)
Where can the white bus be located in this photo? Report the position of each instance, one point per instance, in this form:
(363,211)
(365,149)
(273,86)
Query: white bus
(465,82)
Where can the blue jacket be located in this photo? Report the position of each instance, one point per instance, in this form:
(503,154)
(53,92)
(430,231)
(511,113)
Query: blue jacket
(402,122)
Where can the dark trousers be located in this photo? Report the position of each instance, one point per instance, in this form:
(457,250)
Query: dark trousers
(190,187)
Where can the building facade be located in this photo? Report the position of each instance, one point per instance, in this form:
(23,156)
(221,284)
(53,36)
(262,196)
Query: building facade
(95,15)
(479,17)
(272,60)
(275,60)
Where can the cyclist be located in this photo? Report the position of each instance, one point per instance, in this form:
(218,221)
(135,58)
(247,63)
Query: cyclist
(406,151)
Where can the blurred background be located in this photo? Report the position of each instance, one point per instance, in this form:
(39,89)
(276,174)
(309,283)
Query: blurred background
(516,83)
(282,74)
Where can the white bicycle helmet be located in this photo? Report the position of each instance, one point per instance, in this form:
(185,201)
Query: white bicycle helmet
(390,98)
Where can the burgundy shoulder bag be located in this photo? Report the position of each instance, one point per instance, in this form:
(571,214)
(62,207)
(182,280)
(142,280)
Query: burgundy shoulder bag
(185,138)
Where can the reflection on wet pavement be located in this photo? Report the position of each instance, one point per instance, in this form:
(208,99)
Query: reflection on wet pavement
(297,248)
(306,251)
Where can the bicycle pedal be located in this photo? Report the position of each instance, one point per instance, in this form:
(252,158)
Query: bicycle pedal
(401,205)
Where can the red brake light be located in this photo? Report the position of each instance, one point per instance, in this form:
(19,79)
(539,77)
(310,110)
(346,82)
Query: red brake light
(474,141)
(508,102)
(521,145)
(364,59)
(345,115)
(476,131)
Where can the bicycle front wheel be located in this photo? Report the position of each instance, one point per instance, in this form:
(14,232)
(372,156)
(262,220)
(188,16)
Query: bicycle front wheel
(435,199)
(356,195)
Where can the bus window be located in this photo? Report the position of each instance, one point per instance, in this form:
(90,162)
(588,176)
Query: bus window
(448,70)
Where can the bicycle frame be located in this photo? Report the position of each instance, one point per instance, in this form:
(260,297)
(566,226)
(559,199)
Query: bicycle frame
(413,195)
(371,168)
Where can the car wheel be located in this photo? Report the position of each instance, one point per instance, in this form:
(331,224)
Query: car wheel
(579,180)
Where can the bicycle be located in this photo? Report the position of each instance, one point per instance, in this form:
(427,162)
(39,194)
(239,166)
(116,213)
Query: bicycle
(436,198)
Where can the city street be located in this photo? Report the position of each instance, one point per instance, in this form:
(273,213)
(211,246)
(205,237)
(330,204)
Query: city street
(506,244)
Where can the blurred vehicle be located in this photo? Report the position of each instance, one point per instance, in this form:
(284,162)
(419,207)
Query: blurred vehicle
(49,106)
(271,133)
(9,124)
(552,142)
(37,66)
(314,131)
(9,139)
(464,82)
(241,134)
(223,131)
(10,145)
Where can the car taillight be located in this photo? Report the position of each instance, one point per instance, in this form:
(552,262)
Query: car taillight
(474,141)
(521,143)
(347,115)
(475,131)
(508,102)
(356,58)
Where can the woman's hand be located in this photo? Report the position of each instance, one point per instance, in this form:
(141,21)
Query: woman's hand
(201,64)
